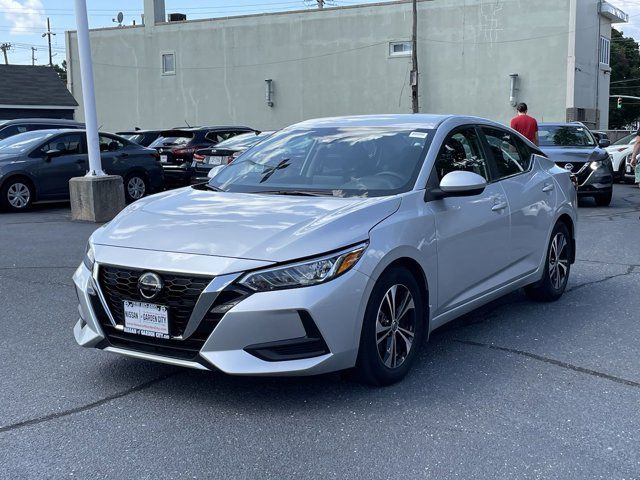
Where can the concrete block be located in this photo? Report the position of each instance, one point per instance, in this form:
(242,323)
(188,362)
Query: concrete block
(96,199)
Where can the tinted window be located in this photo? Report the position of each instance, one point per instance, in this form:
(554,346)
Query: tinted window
(241,141)
(510,154)
(565,136)
(461,151)
(110,144)
(363,161)
(70,144)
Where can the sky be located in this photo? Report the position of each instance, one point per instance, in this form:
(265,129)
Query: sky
(23,22)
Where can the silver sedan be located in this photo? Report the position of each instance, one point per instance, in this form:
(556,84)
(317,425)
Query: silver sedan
(337,243)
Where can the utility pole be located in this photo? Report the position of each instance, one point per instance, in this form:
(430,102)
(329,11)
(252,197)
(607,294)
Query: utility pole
(320,4)
(5,47)
(415,107)
(48,34)
(33,55)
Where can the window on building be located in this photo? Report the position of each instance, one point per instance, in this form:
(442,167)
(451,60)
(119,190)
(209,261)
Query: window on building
(605,50)
(399,49)
(169,63)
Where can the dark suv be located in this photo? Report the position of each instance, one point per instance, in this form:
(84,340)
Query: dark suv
(141,137)
(8,128)
(177,146)
(573,147)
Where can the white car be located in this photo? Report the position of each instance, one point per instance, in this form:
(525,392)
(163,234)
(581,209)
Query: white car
(336,243)
(620,152)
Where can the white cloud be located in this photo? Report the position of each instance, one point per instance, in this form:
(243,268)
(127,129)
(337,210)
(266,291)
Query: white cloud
(24,16)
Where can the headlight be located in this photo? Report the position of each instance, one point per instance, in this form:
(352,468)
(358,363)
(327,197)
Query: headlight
(304,274)
(89,257)
(596,165)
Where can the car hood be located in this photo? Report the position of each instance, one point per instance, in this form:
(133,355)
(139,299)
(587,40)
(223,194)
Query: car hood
(573,154)
(274,228)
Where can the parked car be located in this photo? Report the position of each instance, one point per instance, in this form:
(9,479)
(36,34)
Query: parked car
(335,243)
(141,137)
(177,146)
(619,151)
(9,128)
(208,161)
(574,148)
(37,166)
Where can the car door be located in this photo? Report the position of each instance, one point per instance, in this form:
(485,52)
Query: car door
(113,155)
(472,231)
(67,159)
(531,195)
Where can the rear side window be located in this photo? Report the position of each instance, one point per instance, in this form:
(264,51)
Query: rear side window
(510,154)
(110,144)
(171,141)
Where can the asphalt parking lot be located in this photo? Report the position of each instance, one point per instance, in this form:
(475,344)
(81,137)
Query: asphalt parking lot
(513,390)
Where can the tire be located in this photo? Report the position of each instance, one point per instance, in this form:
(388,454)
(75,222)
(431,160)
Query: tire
(17,194)
(136,186)
(603,199)
(389,343)
(556,269)
(622,171)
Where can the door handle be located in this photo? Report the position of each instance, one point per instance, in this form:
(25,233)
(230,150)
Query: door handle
(548,187)
(499,206)
(123,155)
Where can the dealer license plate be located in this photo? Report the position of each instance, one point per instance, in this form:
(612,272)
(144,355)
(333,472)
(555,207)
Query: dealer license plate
(628,168)
(213,160)
(146,319)
(163,159)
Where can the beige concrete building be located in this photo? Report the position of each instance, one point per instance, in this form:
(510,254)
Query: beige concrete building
(475,57)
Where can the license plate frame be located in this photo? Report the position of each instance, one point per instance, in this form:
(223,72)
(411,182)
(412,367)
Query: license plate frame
(147,319)
(164,159)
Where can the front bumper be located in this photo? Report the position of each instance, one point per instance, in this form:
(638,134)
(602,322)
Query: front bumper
(263,334)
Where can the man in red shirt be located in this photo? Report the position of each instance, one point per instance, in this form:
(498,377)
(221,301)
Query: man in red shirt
(524,124)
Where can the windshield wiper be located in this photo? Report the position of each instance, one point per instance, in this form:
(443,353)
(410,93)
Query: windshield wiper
(214,188)
(301,193)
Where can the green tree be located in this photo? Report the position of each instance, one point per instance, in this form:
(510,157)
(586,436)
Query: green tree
(61,70)
(625,65)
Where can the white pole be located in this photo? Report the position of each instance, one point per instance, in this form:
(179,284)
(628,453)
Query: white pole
(88,95)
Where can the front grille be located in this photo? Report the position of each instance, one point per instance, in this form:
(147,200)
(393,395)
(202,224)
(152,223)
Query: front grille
(580,170)
(179,295)
(119,289)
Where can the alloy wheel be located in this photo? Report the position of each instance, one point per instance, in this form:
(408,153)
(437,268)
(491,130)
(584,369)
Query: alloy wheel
(395,326)
(558,261)
(136,188)
(18,195)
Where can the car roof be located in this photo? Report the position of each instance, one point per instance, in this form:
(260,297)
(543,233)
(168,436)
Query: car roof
(399,120)
(135,132)
(561,124)
(216,127)
(61,121)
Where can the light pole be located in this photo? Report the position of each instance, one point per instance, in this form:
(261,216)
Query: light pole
(96,197)
(88,95)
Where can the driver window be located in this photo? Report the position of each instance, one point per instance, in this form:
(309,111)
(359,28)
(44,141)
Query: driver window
(461,151)
(67,144)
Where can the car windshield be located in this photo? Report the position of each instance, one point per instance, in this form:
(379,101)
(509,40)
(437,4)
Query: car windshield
(626,140)
(349,161)
(565,136)
(134,137)
(171,141)
(23,142)
(243,141)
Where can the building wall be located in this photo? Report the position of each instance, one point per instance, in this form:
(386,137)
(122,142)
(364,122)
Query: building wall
(333,62)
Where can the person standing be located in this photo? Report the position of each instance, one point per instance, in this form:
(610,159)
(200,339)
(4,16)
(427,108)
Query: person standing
(524,124)
(634,157)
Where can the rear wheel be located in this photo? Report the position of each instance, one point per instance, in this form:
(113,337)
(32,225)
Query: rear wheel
(392,330)
(135,187)
(557,267)
(16,194)
(604,199)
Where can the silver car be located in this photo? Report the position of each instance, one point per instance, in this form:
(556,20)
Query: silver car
(337,243)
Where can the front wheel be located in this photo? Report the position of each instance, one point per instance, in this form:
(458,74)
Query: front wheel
(17,195)
(557,267)
(392,329)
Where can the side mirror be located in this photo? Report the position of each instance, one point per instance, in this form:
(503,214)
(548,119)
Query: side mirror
(460,184)
(604,143)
